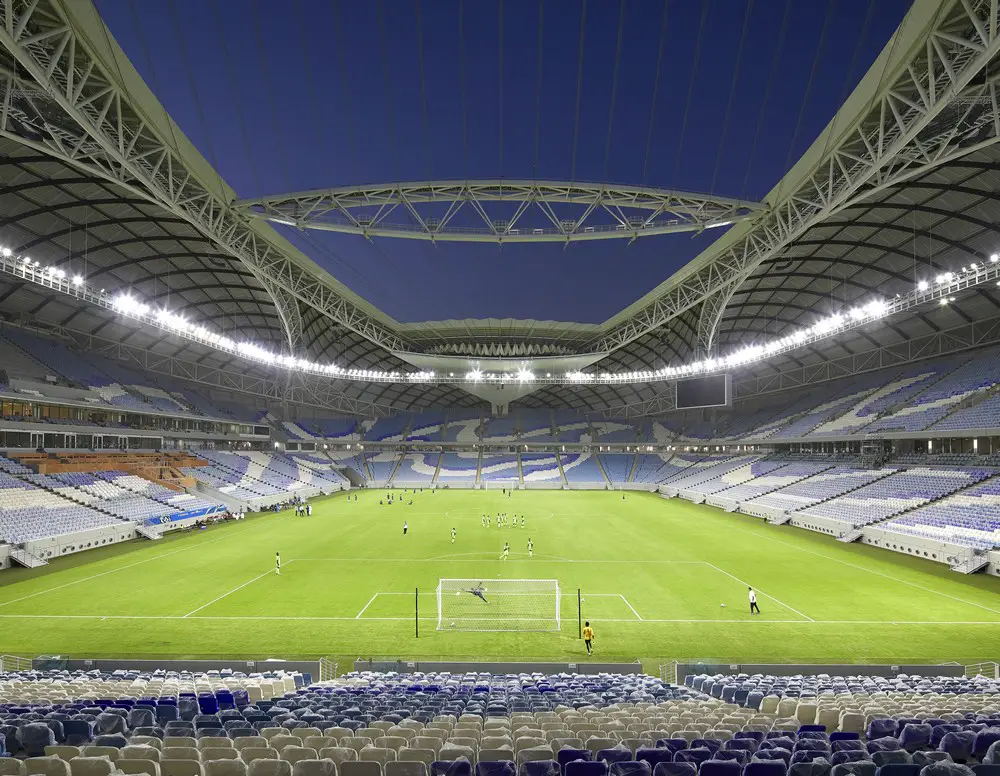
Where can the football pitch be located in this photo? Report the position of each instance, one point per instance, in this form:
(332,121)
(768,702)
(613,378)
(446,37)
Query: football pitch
(653,575)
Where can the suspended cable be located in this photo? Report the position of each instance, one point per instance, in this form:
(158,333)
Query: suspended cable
(461,78)
(614,88)
(423,91)
(388,90)
(538,86)
(579,89)
(732,92)
(694,75)
(767,94)
(812,75)
(345,86)
(656,89)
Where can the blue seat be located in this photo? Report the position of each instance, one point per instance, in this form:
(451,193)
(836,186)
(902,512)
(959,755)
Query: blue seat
(740,756)
(720,768)
(849,757)
(451,768)
(938,732)
(631,768)
(35,736)
(811,768)
(654,755)
(495,768)
(673,744)
(539,768)
(784,742)
(675,769)
(986,769)
(116,740)
(746,744)
(586,768)
(984,740)
(898,756)
(141,716)
(884,744)
(774,754)
(615,755)
(915,736)
(765,768)
(712,744)
(854,769)
(693,756)
(564,756)
(898,769)
(847,745)
(756,735)
(960,744)
(880,728)
(806,756)
(844,736)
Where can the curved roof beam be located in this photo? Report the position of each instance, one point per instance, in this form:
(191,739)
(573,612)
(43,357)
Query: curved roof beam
(500,211)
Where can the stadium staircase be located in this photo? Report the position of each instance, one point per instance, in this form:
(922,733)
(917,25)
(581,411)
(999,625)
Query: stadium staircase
(151,532)
(851,536)
(631,469)
(967,403)
(970,561)
(437,470)
(562,474)
(395,470)
(520,472)
(479,464)
(26,559)
(600,465)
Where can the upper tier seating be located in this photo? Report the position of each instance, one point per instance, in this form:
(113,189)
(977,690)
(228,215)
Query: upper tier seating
(654,469)
(896,493)
(391,429)
(427,426)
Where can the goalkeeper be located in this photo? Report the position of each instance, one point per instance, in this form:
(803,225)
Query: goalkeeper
(478,591)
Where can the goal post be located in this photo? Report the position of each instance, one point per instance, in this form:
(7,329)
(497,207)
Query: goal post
(498,604)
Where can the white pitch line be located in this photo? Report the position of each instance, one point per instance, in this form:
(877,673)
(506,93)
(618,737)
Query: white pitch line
(370,602)
(630,607)
(744,582)
(487,556)
(870,571)
(240,587)
(280,618)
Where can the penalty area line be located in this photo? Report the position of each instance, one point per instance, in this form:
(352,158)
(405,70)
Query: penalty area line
(744,582)
(239,587)
(630,607)
(365,608)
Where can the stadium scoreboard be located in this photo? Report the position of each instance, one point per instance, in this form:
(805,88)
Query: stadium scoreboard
(709,391)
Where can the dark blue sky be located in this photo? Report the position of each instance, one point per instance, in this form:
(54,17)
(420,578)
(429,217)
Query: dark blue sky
(300,94)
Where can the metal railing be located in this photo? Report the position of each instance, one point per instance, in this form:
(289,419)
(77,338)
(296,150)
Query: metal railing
(668,672)
(14,663)
(989,669)
(327,669)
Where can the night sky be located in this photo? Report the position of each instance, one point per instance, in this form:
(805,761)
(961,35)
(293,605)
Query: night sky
(297,94)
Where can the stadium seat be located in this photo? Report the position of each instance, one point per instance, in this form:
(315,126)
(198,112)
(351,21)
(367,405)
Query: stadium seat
(91,766)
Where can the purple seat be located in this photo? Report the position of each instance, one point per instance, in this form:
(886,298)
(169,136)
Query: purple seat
(719,768)
(813,768)
(938,732)
(673,744)
(960,744)
(844,736)
(809,757)
(631,768)
(495,768)
(740,756)
(915,736)
(614,755)
(848,745)
(776,753)
(453,768)
(984,740)
(694,756)
(585,768)
(765,768)
(675,769)
(898,769)
(884,744)
(849,757)
(888,758)
(564,756)
(712,744)
(782,742)
(880,728)
(855,769)
(653,755)
(745,744)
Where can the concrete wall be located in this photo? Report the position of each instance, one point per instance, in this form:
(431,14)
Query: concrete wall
(4,556)
(67,544)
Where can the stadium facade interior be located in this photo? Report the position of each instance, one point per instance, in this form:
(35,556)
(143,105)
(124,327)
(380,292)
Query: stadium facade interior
(128,415)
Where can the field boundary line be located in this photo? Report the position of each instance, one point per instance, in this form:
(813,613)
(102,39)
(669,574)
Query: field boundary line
(638,617)
(486,555)
(239,587)
(626,621)
(780,603)
(365,607)
(870,571)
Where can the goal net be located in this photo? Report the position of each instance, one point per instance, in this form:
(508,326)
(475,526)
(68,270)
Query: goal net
(498,604)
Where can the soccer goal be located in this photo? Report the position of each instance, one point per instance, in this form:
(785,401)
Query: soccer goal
(498,604)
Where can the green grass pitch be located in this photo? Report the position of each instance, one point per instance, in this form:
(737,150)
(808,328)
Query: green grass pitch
(653,575)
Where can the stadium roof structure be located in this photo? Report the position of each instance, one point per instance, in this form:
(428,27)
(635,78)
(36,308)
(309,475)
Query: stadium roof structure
(900,187)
